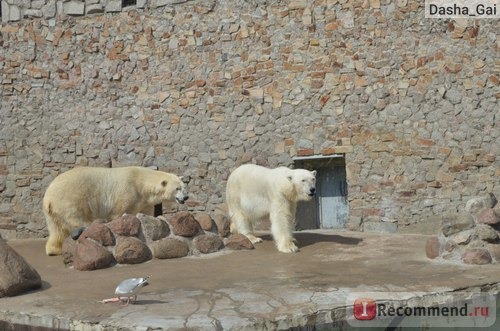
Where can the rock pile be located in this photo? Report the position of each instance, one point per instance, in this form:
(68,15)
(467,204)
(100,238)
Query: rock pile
(471,236)
(133,239)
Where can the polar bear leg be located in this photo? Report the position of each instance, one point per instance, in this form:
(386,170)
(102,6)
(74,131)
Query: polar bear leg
(281,229)
(57,234)
(245,227)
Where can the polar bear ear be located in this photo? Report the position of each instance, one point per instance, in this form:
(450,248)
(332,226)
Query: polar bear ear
(313,173)
(164,183)
(289,178)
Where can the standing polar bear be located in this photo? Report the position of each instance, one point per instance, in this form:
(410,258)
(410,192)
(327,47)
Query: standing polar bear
(254,192)
(81,195)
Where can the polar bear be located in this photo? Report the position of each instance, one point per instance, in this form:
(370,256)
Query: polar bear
(84,194)
(254,192)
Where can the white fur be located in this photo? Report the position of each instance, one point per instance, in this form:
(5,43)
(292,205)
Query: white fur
(254,192)
(82,195)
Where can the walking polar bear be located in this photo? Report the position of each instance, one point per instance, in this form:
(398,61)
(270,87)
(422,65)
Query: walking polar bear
(254,192)
(82,195)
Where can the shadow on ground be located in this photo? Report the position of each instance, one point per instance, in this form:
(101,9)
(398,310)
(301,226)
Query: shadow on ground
(305,239)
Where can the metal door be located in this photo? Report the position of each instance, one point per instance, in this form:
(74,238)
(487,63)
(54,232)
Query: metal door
(333,210)
(330,209)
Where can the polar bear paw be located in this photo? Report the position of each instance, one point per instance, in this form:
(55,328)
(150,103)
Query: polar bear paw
(288,247)
(254,239)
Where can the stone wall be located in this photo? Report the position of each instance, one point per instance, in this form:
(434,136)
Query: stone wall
(201,87)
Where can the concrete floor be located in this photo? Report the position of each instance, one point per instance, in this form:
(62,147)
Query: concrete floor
(260,289)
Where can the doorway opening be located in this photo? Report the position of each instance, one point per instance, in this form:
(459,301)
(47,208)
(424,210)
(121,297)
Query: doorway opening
(330,207)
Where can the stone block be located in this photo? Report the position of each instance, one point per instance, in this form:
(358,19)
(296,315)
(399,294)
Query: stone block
(76,8)
(380,227)
(113,6)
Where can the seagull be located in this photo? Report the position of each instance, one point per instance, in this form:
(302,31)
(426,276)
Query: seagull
(128,289)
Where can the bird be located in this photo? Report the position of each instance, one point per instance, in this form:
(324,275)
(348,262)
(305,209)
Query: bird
(129,288)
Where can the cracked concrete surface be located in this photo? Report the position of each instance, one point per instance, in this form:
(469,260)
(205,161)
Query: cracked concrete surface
(260,289)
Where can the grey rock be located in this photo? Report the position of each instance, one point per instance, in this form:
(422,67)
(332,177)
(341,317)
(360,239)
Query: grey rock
(477,256)
(131,250)
(90,255)
(453,223)
(453,96)
(205,221)
(238,241)
(169,248)
(99,233)
(487,216)
(223,224)
(486,233)
(153,228)
(208,243)
(127,225)
(184,224)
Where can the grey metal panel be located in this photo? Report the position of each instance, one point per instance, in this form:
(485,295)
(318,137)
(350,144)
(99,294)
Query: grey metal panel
(307,215)
(332,196)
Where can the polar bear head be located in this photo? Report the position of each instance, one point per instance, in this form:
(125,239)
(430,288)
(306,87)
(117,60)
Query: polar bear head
(303,184)
(172,188)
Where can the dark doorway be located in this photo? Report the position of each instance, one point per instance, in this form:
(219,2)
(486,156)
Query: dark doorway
(330,208)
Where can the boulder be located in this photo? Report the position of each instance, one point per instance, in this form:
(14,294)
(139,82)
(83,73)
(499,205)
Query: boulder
(494,250)
(432,247)
(131,250)
(16,275)
(205,221)
(476,256)
(68,250)
(486,201)
(89,255)
(169,248)
(98,232)
(486,233)
(487,216)
(238,241)
(454,223)
(462,237)
(223,224)
(127,225)
(153,228)
(184,224)
(208,243)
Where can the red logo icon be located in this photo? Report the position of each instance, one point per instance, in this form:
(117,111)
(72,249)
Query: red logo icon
(365,309)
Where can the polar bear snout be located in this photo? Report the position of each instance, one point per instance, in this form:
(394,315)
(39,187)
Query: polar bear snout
(182,200)
(181,197)
(312,191)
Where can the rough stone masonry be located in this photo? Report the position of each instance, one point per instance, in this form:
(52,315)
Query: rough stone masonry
(200,87)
